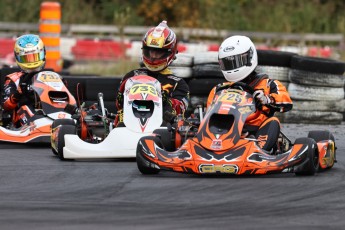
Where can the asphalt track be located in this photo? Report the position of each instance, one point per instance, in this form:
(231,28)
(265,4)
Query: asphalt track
(38,191)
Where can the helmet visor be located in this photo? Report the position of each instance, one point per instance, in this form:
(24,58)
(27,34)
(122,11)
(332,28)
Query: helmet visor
(155,54)
(236,61)
(30,58)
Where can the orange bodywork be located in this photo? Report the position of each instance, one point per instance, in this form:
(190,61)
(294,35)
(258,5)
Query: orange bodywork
(245,158)
(34,133)
(218,146)
(326,153)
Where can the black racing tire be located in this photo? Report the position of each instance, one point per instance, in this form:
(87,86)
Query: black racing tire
(64,129)
(203,87)
(202,58)
(182,72)
(315,93)
(146,167)
(58,122)
(318,65)
(316,79)
(183,60)
(321,135)
(207,71)
(311,164)
(331,106)
(275,58)
(274,72)
(166,138)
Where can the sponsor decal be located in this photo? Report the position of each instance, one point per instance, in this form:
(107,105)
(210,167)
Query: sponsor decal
(211,168)
(167,87)
(154,42)
(228,48)
(61,115)
(174,78)
(245,109)
(262,140)
(216,144)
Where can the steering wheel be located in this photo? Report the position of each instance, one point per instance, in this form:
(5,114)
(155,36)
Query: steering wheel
(247,88)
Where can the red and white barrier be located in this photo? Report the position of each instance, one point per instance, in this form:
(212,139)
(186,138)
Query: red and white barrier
(95,49)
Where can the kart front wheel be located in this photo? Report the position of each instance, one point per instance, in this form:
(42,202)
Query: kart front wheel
(64,129)
(58,122)
(144,165)
(311,164)
(166,139)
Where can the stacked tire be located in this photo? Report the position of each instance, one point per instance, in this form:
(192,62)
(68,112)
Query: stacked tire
(182,65)
(317,90)
(276,64)
(206,75)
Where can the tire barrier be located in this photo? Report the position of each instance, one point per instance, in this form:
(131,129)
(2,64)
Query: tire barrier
(49,30)
(315,93)
(276,64)
(317,90)
(302,77)
(182,65)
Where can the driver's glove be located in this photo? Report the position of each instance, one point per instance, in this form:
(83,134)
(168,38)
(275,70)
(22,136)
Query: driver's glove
(169,112)
(262,99)
(119,99)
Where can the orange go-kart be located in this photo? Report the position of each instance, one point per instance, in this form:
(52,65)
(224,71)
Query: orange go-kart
(50,97)
(217,146)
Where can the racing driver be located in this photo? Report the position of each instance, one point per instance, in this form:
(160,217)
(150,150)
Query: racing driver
(30,57)
(159,49)
(238,59)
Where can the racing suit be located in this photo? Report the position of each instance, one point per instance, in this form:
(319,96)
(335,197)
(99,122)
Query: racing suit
(17,99)
(174,89)
(265,127)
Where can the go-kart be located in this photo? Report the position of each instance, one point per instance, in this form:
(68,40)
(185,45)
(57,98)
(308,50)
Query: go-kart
(93,135)
(218,144)
(51,96)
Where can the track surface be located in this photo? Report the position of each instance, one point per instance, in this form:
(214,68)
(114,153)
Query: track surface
(38,191)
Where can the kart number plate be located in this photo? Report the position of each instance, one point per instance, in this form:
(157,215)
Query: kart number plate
(143,88)
(231,97)
(48,77)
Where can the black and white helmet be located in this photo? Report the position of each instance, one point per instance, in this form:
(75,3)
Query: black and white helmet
(237,58)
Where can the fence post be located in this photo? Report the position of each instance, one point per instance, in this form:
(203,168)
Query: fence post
(49,30)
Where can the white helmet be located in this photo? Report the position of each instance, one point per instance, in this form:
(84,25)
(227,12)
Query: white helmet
(237,58)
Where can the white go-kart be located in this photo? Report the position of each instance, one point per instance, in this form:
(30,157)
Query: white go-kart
(92,135)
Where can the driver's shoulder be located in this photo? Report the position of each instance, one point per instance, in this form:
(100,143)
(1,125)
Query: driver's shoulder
(15,76)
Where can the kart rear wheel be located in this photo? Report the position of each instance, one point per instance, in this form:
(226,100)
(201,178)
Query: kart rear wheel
(166,139)
(311,164)
(64,129)
(321,135)
(58,122)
